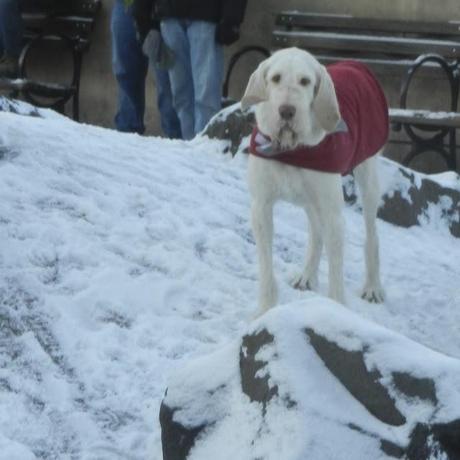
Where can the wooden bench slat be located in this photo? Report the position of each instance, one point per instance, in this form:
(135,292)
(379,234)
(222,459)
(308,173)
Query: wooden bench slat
(73,25)
(425,117)
(86,7)
(386,67)
(76,28)
(366,43)
(79,7)
(41,88)
(343,21)
(54,36)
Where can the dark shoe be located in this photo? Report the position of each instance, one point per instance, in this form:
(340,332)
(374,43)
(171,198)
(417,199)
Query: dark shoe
(8,67)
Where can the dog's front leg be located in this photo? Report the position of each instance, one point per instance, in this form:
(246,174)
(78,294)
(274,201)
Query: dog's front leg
(308,278)
(262,226)
(330,205)
(333,240)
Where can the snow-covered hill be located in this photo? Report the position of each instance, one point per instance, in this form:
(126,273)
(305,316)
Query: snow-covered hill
(122,257)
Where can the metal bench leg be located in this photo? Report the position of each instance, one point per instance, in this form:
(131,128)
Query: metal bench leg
(78,61)
(453,149)
(437,141)
(418,148)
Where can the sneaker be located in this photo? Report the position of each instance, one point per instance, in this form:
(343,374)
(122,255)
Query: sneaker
(8,67)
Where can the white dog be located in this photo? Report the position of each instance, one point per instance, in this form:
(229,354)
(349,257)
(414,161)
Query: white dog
(305,112)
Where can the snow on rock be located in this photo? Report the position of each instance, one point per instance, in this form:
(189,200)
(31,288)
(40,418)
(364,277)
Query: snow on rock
(409,198)
(310,380)
(412,198)
(124,258)
(24,108)
(232,126)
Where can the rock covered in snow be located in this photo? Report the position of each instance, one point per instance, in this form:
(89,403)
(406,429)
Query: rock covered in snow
(314,380)
(24,108)
(233,126)
(409,198)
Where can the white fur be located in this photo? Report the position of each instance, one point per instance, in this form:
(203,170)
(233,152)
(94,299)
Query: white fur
(278,81)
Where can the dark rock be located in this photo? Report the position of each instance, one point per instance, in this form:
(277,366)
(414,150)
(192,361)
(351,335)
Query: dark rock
(257,388)
(176,439)
(391,449)
(349,367)
(232,126)
(439,441)
(407,211)
(414,387)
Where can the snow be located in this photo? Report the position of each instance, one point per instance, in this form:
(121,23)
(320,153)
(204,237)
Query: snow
(293,367)
(125,257)
(448,179)
(425,114)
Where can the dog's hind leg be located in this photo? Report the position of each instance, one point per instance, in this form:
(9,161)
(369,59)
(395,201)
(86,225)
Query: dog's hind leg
(367,180)
(262,226)
(308,278)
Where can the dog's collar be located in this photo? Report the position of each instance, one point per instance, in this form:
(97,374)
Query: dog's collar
(265,146)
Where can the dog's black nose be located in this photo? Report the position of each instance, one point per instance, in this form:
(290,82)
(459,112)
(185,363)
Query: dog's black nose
(286,112)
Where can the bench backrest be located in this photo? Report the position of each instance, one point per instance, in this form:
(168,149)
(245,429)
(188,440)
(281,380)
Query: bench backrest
(377,37)
(72,18)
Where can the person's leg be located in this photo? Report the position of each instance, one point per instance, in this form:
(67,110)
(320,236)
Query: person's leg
(10,37)
(207,59)
(170,122)
(130,69)
(10,28)
(175,36)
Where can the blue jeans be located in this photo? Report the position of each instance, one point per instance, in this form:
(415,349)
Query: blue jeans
(197,74)
(10,28)
(130,68)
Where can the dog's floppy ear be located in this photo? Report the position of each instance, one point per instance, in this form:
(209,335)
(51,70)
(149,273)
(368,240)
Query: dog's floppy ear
(325,104)
(256,91)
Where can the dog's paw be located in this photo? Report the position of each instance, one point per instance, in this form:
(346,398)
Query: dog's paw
(303,283)
(373,294)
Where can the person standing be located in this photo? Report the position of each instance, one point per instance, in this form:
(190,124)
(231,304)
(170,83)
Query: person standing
(10,37)
(195,31)
(130,66)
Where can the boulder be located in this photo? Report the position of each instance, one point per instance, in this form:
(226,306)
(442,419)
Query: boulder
(24,108)
(314,380)
(231,125)
(409,198)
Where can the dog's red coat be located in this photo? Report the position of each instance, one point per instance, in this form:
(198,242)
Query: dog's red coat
(364,109)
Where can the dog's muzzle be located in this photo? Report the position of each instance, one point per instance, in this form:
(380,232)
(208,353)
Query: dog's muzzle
(287,136)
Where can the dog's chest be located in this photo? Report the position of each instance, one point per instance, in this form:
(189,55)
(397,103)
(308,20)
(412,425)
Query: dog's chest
(272,181)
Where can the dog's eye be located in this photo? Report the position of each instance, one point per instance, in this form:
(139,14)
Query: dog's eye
(304,81)
(276,78)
